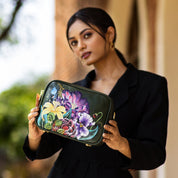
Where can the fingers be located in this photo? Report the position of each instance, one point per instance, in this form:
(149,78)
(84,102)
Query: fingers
(112,137)
(107,136)
(36,109)
(113,123)
(112,127)
(31,121)
(113,131)
(37,99)
(33,113)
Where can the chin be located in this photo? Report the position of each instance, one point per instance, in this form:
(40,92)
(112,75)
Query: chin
(88,63)
(91,62)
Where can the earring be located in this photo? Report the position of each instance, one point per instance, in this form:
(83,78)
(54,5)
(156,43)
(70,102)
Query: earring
(112,45)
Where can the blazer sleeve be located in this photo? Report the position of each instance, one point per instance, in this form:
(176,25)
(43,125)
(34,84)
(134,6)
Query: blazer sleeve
(49,145)
(148,145)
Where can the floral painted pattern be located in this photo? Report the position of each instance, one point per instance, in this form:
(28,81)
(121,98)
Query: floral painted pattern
(67,113)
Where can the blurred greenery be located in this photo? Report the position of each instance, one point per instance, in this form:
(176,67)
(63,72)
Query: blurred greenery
(15,104)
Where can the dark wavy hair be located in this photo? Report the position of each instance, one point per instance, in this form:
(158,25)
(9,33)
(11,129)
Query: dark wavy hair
(95,17)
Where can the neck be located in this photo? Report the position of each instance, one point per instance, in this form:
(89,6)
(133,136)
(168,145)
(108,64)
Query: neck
(109,68)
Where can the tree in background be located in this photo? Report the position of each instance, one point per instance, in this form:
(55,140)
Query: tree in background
(15,104)
(4,30)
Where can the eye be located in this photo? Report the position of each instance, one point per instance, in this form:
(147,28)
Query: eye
(73,43)
(87,35)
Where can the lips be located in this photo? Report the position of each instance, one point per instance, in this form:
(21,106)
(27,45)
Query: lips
(86,55)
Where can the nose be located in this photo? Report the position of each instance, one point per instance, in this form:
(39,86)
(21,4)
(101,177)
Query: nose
(81,45)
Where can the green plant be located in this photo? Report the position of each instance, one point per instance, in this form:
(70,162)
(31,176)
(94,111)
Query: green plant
(15,104)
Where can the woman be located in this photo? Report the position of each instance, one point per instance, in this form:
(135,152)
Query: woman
(137,137)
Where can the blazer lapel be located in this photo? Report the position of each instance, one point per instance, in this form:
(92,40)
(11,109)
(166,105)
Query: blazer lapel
(120,92)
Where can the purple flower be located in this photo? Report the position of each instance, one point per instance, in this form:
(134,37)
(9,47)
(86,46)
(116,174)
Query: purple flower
(85,120)
(74,101)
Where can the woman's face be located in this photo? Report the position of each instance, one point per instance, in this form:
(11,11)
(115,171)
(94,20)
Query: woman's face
(88,45)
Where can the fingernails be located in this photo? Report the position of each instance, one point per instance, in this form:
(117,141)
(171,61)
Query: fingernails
(104,134)
(110,121)
(105,126)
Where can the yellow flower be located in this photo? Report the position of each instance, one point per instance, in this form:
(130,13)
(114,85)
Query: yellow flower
(55,108)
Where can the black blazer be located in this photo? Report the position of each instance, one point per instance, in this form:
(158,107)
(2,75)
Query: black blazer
(141,106)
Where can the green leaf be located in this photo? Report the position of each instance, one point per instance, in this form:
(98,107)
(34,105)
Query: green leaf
(58,123)
(61,131)
(48,126)
(50,117)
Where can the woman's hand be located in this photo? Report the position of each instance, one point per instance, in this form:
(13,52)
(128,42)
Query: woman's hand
(35,133)
(114,140)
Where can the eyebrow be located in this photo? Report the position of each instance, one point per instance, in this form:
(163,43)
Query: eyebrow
(80,33)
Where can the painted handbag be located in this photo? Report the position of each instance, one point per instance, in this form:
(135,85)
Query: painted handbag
(74,112)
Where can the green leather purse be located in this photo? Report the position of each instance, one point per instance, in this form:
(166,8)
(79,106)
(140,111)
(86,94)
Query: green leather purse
(74,112)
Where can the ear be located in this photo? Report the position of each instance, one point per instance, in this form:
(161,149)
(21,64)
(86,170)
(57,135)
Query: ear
(110,34)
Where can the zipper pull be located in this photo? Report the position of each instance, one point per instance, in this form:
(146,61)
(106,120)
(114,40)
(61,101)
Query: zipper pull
(114,116)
